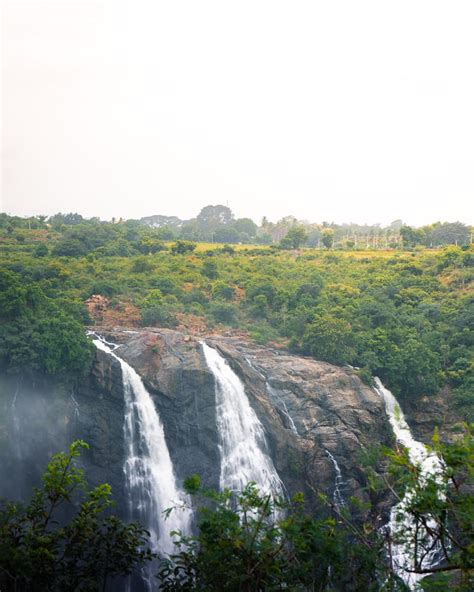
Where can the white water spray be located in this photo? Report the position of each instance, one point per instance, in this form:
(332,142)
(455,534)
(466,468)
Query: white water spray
(150,478)
(242,439)
(430,465)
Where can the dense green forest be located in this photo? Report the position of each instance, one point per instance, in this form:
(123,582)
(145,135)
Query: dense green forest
(404,314)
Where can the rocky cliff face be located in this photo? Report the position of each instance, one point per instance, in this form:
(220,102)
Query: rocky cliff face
(308,408)
(313,413)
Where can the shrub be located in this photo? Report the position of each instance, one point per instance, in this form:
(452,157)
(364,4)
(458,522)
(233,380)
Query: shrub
(39,551)
(223,290)
(41,250)
(223,312)
(158,316)
(209,269)
(183,247)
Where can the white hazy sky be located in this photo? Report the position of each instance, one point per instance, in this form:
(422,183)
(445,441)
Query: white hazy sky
(331,110)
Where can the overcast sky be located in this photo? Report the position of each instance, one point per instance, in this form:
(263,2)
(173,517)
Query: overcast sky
(329,110)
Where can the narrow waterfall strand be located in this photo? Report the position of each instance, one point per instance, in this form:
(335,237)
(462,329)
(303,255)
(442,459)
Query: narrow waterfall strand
(280,403)
(430,465)
(338,483)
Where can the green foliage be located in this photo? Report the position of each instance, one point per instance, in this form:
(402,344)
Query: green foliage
(252,542)
(436,234)
(223,290)
(329,338)
(209,269)
(156,311)
(223,312)
(406,317)
(257,543)
(36,335)
(41,550)
(142,265)
(366,376)
(228,249)
(441,504)
(158,316)
(328,238)
(183,247)
(41,250)
(295,237)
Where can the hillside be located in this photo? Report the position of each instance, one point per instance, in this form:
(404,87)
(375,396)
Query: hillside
(402,315)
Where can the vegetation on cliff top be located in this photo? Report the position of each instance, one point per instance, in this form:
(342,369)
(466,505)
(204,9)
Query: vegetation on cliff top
(405,316)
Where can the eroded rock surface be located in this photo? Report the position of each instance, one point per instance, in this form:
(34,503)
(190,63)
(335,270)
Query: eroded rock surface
(307,408)
(311,411)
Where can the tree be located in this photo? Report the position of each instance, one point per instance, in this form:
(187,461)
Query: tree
(411,236)
(37,336)
(245,225)
(250,542)
(439,510)
(70,219)
(328,237)
(158,315)
(182,247)
(142,265)
(223,290)
(225,234)
(166,233)
(211,217)
(448,233)
(224,312)
(40,551)
(295,237)
(330,339)
(70,247)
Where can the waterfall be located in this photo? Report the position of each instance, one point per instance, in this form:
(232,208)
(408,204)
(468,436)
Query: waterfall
(338,483)
(242,442)
(148,469)
(280,403)
(16,431)
(430,465)
(75,404)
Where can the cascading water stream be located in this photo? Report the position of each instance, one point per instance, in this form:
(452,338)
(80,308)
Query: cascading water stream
(75,404)
(16,426)
(276,398)
(242,440)
(338,483)
(280,403)
(149,473)
(430,465)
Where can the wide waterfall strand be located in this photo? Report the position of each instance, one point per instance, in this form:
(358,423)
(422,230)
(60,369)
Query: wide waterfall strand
(148,467)
(429,465)
(242,439)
